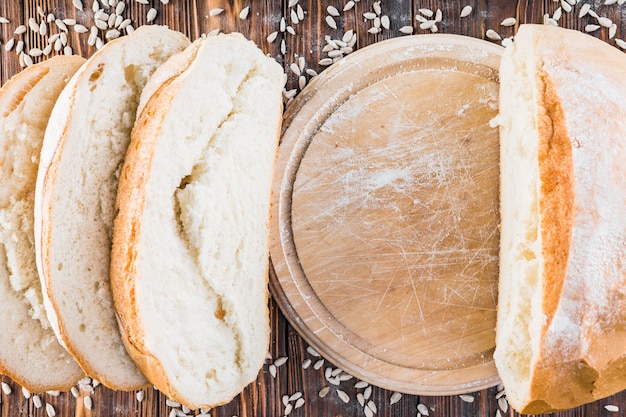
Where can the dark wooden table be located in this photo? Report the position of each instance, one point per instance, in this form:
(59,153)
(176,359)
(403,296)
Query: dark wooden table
(195,17)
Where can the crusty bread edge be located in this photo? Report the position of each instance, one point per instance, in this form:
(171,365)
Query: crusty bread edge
(19,79)
(130,203)
(50,155)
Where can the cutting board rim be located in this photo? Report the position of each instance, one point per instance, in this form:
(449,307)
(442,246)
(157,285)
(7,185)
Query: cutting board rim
(295,127)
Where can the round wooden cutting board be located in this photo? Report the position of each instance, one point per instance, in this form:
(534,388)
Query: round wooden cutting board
(385,214)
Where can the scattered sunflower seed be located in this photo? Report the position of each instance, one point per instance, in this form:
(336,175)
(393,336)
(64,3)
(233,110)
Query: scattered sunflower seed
(611,408)
(332,10)
(150,16)
(395,397)
(349,5)
(467,10)
(6,388)
(272,37)
(243,14)
(88,402)
(50,411)
(422,409)
(331,22)
(343,396)
(509,21)
(493,35)
(466,398)
(324,392)
(140,395)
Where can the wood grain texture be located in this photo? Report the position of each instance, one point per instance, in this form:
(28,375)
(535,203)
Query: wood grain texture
(264,397)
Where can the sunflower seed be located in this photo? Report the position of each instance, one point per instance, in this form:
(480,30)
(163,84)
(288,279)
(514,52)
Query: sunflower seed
(317,365)
(119,9)
(361,384)
(331,22)
(384,21)
(368,392)
(343,396)
(584,9)
(9,45)
(215,11)
(272,369)
(151,15)
(395,397)
(140,395)
(332,10)
(272,37)
(88,402)
(591,28)
(299,403)
(3,20)
(466,398)
(426,12)
(377,9)
(37,401)
(566,6)
(493,35)
(372,406)
(605,22)
(620,43)
(6,388)
(50,411)
(422,409)
(611,408)
(74,392)
(78,4)
(557,14)
(509,21)
(467,10)
(369,15)
(295,69)
(20,29)
(407,30)
(438,16)
(360,399)
(349,5)
(243,14)
(323,62)
(323,392)
(612,31)
(300,12)
(35,52)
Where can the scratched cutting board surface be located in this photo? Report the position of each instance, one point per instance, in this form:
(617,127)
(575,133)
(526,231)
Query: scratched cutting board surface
(385,214)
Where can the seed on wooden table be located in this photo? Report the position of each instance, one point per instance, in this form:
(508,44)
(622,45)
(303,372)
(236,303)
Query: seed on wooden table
(299,403)
(74,392)
(300,12)
(215,11)
(503,404)
(20,29)
(427,24)
(343,396)
(43,29)
(301,63)
(591,28)
(140,395)
(493,35)
(50,411)
(407,30)
(332,10)
(9,45)
(377,9)
(584,9)
(605,22)
(272,369)
(324,392)
(151,15)
(467,10)
(119,9)
(566,6)
(384,21)
(509,21)
(288,409)
(611,408)
(282,360)
(374,30)
(372,406)
(20,47)
(172,403)
(620,43)
(295,69)
(323,62)
(88,402)
(438,16)
(612,31)
(331,22)
(272,37)
(426,12)
(292,3)
(37,401)
(395,397)
(78,4)
(349,5)
(422,409)
(6,388)
(243,14)
(466,398)
(368,392)
(557,14)
(35,52)
(312,73)
(360,399)
(3,20)
(369,15)
(368,412)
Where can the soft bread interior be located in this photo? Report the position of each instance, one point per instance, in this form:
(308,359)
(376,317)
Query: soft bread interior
(29,350)
(202,249)
(84,151)
(519,316)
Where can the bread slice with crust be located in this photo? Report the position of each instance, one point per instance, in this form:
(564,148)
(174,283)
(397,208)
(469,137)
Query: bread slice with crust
(29,351)
(190,246)
(82,154)
(561,323)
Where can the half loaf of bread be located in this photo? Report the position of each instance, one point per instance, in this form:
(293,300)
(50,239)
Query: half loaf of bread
(561,323)
(29,351)
(190,247)
(82,154)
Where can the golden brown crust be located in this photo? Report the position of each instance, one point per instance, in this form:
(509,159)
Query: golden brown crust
(127,226)
(582,102)
(25,81)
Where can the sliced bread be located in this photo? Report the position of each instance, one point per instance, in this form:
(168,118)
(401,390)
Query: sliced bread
(29,351)
(190,246)
(82,154)
(561,322)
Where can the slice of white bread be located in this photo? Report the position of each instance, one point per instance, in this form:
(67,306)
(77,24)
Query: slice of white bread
(561,323)
(82,154)
(29,351)
(190,247)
